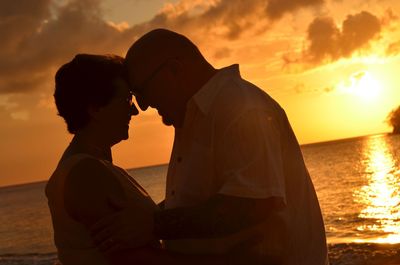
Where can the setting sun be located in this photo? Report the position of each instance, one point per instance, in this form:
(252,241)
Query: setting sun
(361,84)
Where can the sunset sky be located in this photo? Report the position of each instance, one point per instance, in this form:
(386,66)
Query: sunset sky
(333,65)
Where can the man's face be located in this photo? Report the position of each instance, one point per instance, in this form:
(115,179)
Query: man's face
(156,86)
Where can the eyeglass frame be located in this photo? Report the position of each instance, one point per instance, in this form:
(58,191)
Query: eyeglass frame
(138,90)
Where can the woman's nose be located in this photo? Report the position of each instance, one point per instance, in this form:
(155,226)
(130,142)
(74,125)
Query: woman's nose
(134,110)
(142,103)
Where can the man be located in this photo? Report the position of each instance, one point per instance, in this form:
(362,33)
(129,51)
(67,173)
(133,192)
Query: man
(236,179)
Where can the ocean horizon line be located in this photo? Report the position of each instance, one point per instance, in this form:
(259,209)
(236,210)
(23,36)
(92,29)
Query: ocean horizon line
(346,139)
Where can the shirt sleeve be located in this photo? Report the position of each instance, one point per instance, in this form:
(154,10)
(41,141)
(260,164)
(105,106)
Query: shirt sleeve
(250,157)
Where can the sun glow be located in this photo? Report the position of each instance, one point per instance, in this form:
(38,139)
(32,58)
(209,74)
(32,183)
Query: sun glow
(362,85)
(380,215)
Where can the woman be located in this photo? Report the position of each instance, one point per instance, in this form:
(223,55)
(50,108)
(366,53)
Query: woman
(92,96)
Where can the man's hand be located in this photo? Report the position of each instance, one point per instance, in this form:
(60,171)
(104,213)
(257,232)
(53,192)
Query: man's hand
(130,227)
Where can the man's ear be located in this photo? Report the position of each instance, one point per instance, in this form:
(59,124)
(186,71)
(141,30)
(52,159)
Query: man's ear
(93,112)
(175,65)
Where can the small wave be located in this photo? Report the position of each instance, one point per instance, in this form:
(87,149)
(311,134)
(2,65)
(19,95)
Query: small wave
(29,259)
(364,254)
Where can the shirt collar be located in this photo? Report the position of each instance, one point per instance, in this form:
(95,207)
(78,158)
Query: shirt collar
(206,95)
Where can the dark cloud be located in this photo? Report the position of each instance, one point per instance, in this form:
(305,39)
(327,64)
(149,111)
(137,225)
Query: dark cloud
(19,20)
(24,7)
(324,38)
(232,18)
(277,8)
(237,16)
(358,30)
(38,42)
(328,42)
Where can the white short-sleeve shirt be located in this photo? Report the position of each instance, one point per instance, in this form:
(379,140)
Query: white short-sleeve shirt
(236,140)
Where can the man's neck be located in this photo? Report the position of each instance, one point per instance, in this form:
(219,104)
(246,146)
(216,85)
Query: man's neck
(200,76)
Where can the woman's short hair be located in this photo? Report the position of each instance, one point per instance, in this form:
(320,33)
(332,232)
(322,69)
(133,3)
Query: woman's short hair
(86,81)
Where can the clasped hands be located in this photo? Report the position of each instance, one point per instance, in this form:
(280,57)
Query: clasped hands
(131,226)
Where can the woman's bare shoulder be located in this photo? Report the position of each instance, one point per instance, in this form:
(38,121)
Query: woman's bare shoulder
(88,187)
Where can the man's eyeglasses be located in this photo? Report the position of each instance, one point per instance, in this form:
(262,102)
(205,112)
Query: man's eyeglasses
(139,89)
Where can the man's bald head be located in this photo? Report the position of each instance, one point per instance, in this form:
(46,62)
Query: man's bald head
(159,45)
(165,69)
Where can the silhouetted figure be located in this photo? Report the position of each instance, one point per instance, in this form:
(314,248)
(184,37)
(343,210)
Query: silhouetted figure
(236,181)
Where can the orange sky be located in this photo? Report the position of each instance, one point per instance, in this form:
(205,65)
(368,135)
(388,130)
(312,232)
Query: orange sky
(332,64)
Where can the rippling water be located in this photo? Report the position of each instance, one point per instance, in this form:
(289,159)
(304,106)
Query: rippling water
(357,182)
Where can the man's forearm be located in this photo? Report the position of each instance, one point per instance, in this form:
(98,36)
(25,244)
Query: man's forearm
(221,215)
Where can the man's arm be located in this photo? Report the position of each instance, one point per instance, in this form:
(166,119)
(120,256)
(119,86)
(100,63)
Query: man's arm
(221,215)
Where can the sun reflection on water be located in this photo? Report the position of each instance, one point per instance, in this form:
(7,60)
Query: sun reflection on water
(380,197)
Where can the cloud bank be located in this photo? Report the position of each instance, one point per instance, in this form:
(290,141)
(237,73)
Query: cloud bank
(328,42)
(38,36)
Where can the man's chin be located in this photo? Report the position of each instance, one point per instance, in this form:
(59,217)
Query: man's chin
(126,137)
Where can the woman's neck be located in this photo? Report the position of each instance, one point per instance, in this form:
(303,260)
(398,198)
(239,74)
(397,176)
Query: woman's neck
(90,144)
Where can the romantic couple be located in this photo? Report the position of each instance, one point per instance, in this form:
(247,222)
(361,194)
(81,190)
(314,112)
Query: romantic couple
(238,191)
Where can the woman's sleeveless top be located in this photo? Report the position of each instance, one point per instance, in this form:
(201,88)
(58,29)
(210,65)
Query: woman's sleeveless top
(71,238)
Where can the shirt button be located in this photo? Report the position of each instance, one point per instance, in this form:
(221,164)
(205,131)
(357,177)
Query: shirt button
(173,193)
(179,159)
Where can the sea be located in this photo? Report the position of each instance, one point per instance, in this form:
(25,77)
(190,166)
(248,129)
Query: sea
(357,182)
